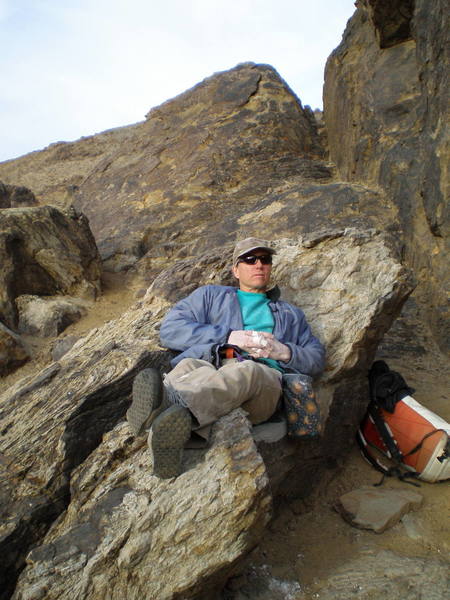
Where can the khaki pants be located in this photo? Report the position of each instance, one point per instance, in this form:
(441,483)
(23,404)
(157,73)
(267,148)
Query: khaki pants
(210,393)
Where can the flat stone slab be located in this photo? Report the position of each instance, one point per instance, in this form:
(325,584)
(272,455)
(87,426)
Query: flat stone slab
(377,508)
(270,432)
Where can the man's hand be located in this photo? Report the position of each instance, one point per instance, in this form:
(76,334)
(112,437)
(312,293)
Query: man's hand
(278,351)
(248,340)
(260,344)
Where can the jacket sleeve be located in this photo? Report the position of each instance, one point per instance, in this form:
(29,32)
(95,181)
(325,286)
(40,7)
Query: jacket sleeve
(307,352)
(188,324)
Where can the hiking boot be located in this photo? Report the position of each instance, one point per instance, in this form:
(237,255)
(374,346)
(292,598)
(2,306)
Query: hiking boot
(148,400)
(167,437)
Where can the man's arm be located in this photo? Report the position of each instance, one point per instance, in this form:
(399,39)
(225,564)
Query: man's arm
(187,324)
(307,352)
(308,359)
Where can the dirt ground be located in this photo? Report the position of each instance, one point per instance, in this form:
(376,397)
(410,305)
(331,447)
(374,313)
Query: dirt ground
(309,551)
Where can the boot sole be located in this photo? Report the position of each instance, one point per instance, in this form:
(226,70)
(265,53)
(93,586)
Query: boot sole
(147,399)
(169,433)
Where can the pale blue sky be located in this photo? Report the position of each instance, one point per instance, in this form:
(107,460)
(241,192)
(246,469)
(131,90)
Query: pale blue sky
(71,68)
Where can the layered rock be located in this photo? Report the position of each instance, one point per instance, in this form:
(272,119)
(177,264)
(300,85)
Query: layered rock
(129,534)
(386,105)
(45,252)
(68,407)
(236,155)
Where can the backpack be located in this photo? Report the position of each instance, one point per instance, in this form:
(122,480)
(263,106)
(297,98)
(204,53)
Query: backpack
(398,428)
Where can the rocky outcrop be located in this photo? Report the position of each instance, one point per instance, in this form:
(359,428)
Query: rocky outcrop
(49,316)
(13,197)
(212,150)
(69,406)
(45,252)
(386,106)
(236,155)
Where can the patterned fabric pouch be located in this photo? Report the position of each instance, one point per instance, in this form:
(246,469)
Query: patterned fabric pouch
(300,405)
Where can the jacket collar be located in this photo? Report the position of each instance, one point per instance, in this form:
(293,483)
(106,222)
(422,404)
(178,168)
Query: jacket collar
(273,294)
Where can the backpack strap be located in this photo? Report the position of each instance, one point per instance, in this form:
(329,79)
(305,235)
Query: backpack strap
(446,452)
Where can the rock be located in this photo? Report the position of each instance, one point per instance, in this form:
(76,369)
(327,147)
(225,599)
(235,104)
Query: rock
(271,431)
(371,573)
(48,316)
(13,196)
(235,155)
(62,346)
(12,351)
(128,532)
(69,406)
(377,508)
(62,413)
(386,112)
(45,252)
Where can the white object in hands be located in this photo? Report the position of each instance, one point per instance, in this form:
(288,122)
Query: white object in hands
(260,344)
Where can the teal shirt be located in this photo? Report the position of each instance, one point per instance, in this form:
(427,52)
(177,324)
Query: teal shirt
(257,316)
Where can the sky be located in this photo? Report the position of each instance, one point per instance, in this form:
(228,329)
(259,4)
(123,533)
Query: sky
(73,68)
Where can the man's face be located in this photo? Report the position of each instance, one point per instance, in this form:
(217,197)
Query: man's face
(253,277)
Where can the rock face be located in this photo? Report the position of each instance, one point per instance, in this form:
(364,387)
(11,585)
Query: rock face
(45,252)
(386,106)
(70,405)
(236,155)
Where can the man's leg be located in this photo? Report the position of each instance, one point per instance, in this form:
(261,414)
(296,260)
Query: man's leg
(147,400)
(171,425)
(210,393)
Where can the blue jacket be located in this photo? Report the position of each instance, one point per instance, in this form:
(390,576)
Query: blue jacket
(196,325)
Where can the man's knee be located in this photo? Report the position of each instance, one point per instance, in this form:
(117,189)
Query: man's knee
(264,372)
(190,364)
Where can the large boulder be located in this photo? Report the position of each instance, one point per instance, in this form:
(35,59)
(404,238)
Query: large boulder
(168,538)
(386,107)
(43,252)
(351,285)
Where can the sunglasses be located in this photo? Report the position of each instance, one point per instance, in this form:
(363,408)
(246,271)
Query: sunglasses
(251,259)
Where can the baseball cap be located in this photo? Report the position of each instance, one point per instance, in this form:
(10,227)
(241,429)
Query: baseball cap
(249,244)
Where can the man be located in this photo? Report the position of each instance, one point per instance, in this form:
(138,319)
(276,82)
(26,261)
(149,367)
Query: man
(234,345)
